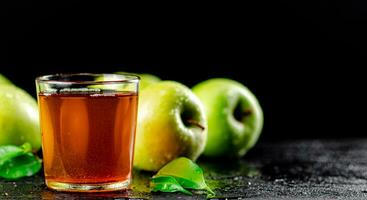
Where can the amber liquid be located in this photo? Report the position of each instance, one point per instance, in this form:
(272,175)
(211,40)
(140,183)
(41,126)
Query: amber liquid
(88,138)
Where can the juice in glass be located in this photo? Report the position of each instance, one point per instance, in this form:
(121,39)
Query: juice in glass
(88,135)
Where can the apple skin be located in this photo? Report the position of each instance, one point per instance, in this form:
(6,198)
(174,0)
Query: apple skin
(171,124)
(4,80)
(235,118)
(19,119)
(145,79)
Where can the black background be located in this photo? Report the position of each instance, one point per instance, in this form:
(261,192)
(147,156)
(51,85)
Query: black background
(303,60)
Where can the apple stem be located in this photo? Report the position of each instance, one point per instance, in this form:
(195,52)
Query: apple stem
(247,112)
(195,123)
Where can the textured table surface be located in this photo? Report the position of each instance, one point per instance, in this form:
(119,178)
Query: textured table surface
(312,169)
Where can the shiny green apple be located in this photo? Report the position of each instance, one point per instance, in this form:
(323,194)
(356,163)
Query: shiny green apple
(171,124)
(235,118)
(19,119)
(4,80)
(145,79)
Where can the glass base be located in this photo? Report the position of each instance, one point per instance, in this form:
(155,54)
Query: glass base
(98,187)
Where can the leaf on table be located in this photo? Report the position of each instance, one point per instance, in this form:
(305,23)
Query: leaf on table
(17,162)
(167,184)
(21,166)
(187,174)
(10,151)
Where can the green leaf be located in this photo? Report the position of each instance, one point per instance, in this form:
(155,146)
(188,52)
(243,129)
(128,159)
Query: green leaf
(10,151)
(187,174)
(17,162)
(21,166)
(167,184)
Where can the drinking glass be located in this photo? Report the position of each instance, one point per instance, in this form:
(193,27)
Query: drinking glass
(88,124)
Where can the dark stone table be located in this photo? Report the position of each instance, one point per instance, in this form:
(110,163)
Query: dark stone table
(311,169)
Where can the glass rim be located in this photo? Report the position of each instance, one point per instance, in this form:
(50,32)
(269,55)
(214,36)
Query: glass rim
(124,78)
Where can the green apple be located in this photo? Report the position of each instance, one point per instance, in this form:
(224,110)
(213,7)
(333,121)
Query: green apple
(145,79)
(171,124)
(4,80)
(19,119)
(235,118)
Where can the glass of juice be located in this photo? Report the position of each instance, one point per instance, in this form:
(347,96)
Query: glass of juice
(88,124)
